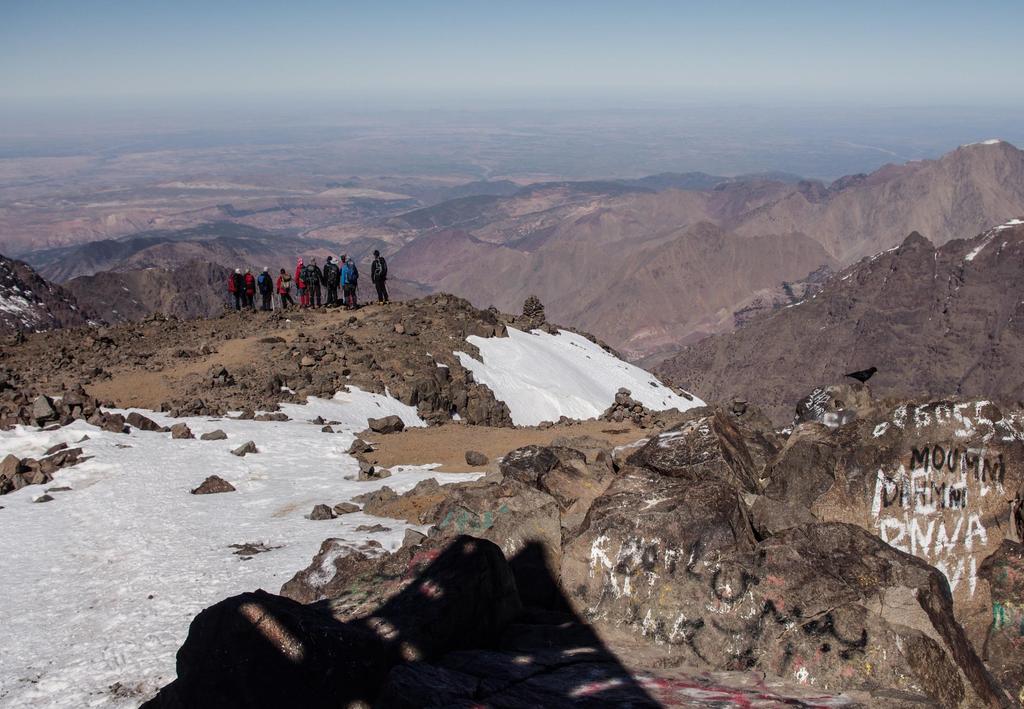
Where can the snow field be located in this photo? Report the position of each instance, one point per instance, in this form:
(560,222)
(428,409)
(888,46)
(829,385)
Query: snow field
(542,377)
(99,586)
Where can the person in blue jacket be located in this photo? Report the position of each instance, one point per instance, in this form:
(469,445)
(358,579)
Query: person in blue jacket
(349,282)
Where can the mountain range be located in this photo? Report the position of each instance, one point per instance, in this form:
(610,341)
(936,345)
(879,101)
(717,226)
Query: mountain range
(648,264)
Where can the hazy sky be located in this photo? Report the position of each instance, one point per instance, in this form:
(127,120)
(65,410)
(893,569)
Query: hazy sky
(907,50)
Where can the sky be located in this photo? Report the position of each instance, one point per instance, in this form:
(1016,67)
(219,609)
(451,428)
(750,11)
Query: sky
(900,50)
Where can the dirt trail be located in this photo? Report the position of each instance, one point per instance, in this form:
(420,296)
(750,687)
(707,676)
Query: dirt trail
(448,444)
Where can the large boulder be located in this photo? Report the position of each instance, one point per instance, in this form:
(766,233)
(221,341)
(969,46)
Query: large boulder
(933,480)
(386,424)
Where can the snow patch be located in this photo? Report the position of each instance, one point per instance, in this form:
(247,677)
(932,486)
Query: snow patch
(542,377)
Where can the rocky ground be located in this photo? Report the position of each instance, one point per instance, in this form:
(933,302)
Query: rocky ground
(253,361)
(674,572)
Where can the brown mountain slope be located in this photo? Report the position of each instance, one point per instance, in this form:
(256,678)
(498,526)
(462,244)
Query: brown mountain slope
(641,296)
(29,303)
(965,191)
(935,321)
(196,289)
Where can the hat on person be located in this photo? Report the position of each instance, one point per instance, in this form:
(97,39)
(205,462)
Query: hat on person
(266,268)
(376,252)
(238,270)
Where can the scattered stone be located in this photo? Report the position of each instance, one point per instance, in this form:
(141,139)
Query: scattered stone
(245,448)
(327,429)
(62,488)
(367,471)
(272,416)
(307,361)
(212,485)
(43,498)
(55,449)
(10,465)
(217,435)
(321,512)
(344,508)
(399,328)
(181,431)
(250,549)
(476,458)
(387,424)
(372,528)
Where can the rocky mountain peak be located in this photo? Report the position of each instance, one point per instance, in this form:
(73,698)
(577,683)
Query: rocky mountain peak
(29,303)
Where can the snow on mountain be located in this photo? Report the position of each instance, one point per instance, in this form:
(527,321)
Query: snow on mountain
(28,303)
(542,377)
(100,584)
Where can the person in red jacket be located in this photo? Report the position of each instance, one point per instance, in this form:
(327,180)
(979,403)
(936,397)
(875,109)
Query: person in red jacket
(301,285)
(250,290)
(284,289)
(236,287)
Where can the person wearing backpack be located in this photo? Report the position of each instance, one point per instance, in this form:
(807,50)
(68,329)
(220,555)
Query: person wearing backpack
(250,290)
(265,285)
(379,276)
(236,287)
(314,278)
(332,278)
(349,282)
(300,284)
(284,289)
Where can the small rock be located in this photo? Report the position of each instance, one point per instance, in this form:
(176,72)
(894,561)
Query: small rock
(476,458)
(181,431)
(141,422)
(359,447)
(247,447)
(307,361)
(217,435)
(43,498)
(62,488)
(10,465)
(345,508)
(42,410)
(327,429)
(387,424)
(400,328)
(413,538)
(272,416)
(321,512)
(55,449)
(213,485)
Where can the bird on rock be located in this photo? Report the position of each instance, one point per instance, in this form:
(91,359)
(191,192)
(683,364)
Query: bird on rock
(863,375)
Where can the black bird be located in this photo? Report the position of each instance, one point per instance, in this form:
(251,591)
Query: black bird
(863,375)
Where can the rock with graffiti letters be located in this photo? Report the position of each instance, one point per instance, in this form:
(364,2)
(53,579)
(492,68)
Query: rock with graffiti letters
(934,480)
(828,605)
(836,405)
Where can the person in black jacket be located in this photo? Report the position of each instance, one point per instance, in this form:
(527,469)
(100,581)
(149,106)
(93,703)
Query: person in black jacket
(332,277)
(379,276)
(316,277)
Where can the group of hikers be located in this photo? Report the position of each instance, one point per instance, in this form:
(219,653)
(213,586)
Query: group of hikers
(316,287)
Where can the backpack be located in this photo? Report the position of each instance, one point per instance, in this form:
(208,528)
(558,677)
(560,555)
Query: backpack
(379,270)
(263,282)
(331,274)
(308,276)
(353,275)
